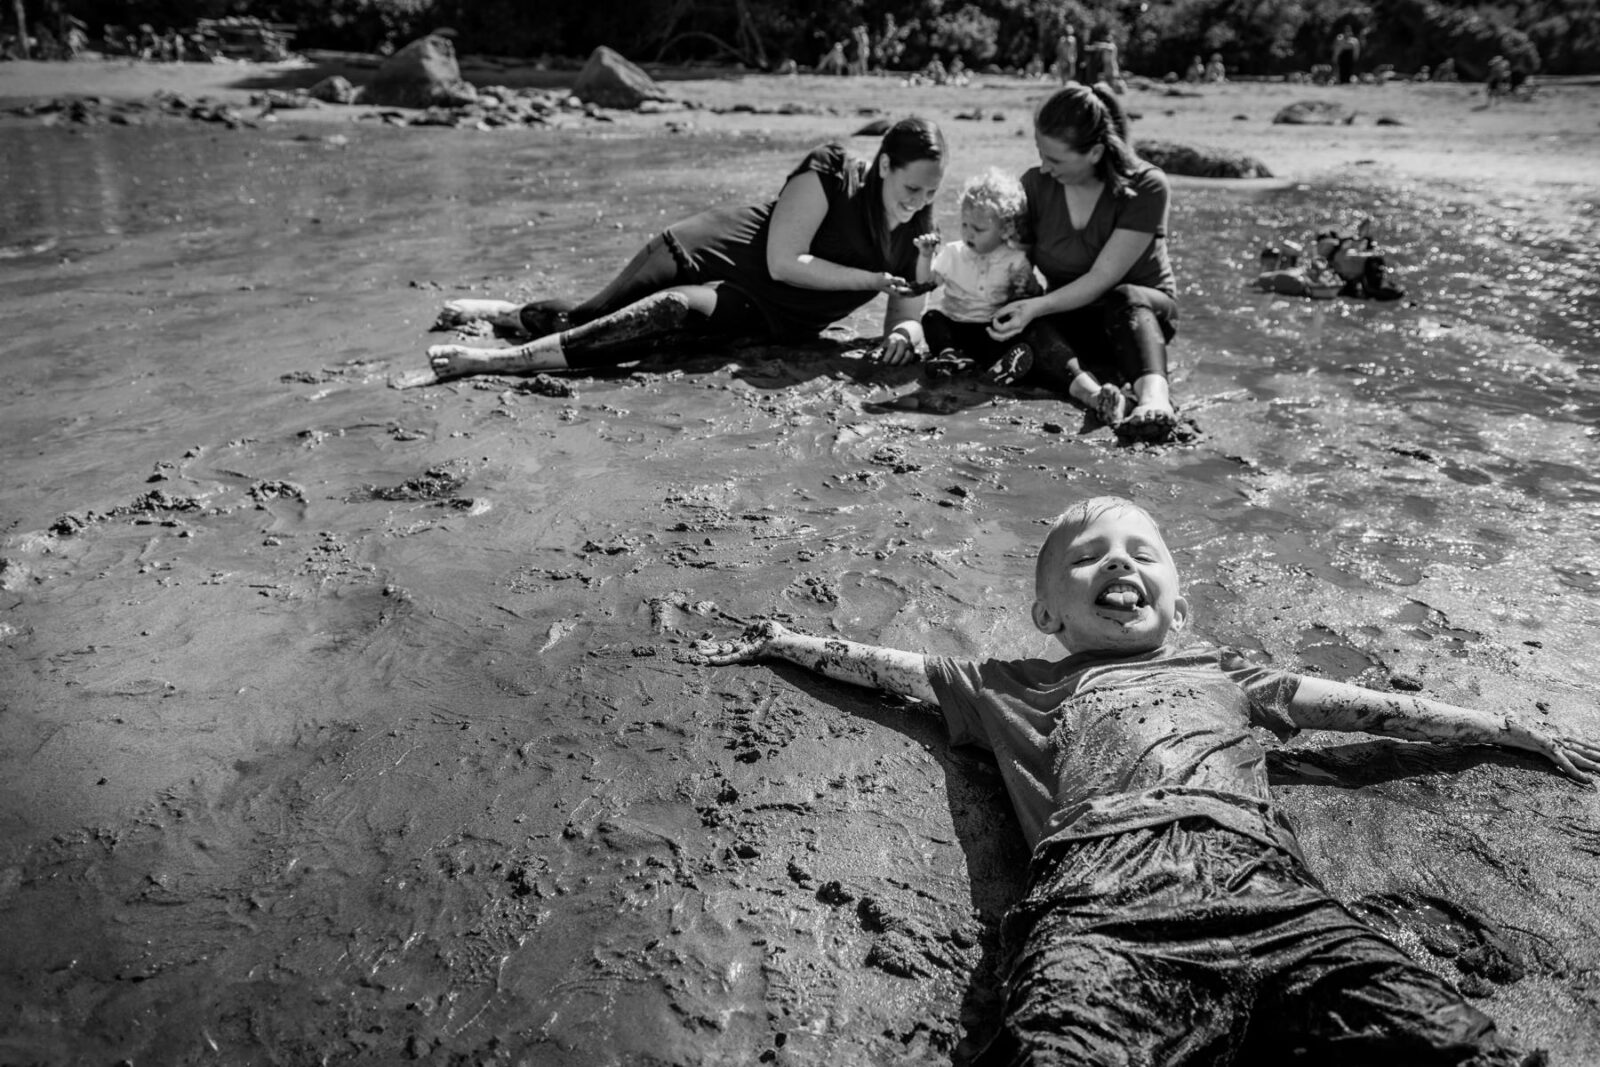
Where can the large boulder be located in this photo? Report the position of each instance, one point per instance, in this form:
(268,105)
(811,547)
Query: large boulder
(1314,113)
(422,74)
(610,80)
(1197,161)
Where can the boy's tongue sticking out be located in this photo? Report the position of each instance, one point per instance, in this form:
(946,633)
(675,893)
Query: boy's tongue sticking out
(1121,595)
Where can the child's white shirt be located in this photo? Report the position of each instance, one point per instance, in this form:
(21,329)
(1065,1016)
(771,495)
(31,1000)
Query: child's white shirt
(975,287)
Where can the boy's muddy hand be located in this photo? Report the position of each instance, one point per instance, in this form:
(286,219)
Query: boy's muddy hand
(750,646)
(927,244)
(1576,758)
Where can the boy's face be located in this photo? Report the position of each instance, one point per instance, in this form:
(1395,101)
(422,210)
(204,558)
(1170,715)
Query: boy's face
(1111,587)
(980,230)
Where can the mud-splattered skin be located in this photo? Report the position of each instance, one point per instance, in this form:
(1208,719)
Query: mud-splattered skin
(1320,704)
(1317,704)
(887,669)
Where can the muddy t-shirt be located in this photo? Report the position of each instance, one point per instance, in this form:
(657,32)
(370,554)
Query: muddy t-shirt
(1093,745)
(1065,253)
(729,245)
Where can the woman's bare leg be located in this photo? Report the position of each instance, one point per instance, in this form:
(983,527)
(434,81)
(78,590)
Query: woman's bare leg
(652,269)
(605,341)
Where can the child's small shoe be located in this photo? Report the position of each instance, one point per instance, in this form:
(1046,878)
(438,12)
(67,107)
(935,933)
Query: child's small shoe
(947,364)
(1015,362)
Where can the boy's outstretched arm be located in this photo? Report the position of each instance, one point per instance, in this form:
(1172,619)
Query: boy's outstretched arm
(888,669)
(1320,704)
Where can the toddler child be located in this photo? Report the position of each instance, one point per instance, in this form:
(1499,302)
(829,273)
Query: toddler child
(980,273)
(1170,917)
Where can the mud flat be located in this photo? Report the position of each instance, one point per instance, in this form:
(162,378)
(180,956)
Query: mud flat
(343,723)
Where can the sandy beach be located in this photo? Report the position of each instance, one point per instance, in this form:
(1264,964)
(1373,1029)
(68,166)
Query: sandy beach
(347,724)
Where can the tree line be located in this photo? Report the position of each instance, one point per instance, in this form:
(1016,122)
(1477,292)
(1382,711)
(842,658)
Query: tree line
(1253,37)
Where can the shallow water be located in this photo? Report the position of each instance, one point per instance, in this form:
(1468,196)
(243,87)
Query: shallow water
(343,722)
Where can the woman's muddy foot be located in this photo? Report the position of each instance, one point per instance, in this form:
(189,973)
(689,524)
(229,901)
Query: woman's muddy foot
(1111,405)
(948,364)
(463,312)
(458,361)
(1015,362)
(1148,422)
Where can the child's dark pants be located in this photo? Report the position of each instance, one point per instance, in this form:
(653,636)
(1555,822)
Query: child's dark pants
(971,339)
(1118,338)
(1189,944)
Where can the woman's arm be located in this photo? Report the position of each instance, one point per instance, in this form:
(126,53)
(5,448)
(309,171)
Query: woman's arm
(886,669)
(902,328)
(1111,267)
(796,217)
(1320,704)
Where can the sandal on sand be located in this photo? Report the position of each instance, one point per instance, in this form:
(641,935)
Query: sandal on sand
(948,364)
(1012,364)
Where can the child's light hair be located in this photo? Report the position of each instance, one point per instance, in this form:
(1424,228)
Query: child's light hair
(1071,522)
(999,194)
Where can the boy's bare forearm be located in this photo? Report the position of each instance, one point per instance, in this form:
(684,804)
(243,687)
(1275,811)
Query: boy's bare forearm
(887,669)
(1319,704)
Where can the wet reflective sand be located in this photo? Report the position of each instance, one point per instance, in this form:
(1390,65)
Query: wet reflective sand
(343,723)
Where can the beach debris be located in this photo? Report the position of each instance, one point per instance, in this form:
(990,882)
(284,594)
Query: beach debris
(334,89)
(1197,161)
(90,110)
(435,483)
(1314,113)
(1333,262)
(611,80)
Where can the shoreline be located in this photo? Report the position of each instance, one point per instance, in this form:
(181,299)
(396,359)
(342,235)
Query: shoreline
(1440,132)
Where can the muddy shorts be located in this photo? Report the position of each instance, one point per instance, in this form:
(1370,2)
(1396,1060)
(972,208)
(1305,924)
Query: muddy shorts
(1189,944)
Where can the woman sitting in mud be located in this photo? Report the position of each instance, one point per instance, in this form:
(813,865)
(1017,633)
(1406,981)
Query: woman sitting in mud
(1098,218)
(841,231)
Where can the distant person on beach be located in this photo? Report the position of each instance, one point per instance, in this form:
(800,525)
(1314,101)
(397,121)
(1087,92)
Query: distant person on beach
(842,230)
(1106,67)
(1097,218)
(1216,70)
(1170,917)
(977,276)
(1346,50)
(1196,72)
(1067,57)
(1498,81)
(863,41)
(834,62)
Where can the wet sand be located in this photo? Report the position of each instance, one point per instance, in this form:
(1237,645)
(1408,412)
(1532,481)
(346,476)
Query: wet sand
(345,724)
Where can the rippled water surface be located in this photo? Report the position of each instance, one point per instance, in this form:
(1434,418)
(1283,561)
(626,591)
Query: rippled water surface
(343,722)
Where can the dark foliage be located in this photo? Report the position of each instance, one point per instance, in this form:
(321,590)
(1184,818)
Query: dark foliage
(1253,37)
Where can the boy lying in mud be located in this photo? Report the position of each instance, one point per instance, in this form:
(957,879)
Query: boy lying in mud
(1170,917)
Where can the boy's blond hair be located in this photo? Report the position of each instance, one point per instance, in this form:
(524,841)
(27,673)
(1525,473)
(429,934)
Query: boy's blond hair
(1000,194)
(1071,521)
